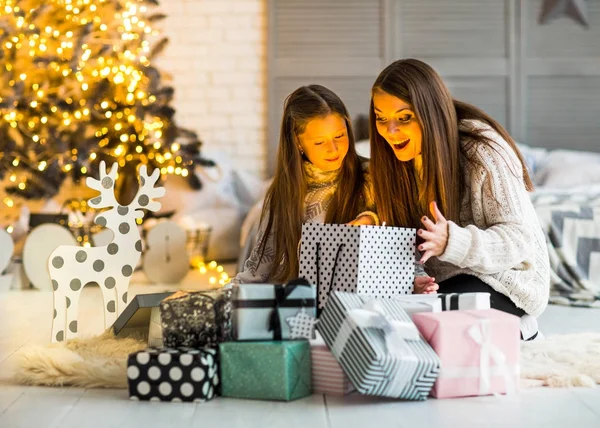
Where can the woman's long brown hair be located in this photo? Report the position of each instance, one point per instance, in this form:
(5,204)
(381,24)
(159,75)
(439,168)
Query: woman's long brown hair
(283,210)
(397,196)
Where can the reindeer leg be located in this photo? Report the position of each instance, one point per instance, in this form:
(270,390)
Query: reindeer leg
(72,313)
(122,296)
(59,321)
(109,295)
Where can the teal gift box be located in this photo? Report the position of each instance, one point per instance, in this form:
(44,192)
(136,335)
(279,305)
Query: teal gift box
(270,370)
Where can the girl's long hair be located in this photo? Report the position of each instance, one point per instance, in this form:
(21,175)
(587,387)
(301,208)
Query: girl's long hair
(283,210)
(397,196)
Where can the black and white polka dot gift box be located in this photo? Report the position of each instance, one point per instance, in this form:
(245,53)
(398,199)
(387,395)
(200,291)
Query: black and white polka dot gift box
(368,260)
(166,374)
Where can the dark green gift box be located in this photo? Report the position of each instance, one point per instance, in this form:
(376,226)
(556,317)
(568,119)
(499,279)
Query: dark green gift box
(271,370)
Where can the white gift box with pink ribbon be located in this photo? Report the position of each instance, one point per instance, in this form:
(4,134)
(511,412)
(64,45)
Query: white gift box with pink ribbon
(479,351)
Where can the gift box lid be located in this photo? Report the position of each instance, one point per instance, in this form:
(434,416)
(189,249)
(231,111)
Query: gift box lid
(137,313)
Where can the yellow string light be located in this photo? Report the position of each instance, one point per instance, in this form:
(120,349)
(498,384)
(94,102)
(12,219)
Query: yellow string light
(216,272)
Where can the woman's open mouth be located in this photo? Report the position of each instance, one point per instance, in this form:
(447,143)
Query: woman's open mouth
(401,144)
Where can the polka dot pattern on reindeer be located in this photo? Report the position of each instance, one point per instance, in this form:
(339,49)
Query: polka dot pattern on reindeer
(110,266)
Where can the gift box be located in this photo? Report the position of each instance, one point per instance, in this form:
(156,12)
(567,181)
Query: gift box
(196,319)
(378,346)
(141,319)
(464,301)
(269,370)
(327,374)
(367,260)
(479,351)
(274,312)
(165,374)
(416,303)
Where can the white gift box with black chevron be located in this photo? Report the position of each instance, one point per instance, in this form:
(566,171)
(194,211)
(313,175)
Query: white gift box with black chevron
(368,260)
(417,303)
(378,346)
(464,301)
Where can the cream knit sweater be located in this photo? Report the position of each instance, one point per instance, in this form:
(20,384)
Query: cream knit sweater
(498,238)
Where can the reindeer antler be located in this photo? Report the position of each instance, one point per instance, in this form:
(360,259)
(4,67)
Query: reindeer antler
(147,191)
(105,185)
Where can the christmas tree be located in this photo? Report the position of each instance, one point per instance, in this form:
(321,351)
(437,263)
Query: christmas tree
(77,86)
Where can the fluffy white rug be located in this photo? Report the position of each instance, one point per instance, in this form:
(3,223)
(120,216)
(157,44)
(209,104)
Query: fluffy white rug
(96,362)
(562,361)
(101,362)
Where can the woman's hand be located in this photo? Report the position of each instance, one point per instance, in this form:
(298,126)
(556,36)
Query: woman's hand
(363,220)
(425,285)
(435,234)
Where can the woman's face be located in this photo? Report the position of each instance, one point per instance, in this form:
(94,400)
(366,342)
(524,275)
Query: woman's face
(398,125)
(325,142)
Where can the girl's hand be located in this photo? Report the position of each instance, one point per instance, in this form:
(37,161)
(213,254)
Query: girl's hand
(425,285)
(435,234)
(363,220)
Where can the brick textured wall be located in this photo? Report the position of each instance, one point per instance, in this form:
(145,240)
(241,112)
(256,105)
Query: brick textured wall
(217,60)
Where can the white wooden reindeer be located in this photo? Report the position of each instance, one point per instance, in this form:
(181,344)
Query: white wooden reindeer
(110,266)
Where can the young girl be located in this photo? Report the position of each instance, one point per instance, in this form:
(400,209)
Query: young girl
(431,153)
(319,179)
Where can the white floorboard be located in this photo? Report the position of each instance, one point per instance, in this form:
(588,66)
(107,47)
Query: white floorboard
(530,408)
(590,397)
(25,318)
(91,411)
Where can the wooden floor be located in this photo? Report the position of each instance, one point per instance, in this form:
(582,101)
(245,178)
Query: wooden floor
(25,318)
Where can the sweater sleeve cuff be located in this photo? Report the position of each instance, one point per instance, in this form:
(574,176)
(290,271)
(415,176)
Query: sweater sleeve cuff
(459,243)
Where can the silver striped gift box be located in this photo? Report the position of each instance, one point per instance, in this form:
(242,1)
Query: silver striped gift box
(378,346)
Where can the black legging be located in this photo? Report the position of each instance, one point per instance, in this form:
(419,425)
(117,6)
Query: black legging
(471,284)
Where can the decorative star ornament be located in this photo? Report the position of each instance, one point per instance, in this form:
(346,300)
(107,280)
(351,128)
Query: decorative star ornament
(552,9)
(302,325)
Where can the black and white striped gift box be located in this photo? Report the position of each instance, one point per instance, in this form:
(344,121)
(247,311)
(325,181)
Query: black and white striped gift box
(372,367)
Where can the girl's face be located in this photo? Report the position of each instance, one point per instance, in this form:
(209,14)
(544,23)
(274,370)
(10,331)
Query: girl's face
(325,142)
(398,125)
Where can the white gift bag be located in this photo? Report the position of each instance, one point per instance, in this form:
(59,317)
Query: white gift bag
(368,260)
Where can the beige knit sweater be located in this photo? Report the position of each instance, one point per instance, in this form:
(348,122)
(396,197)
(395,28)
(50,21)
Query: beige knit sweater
(498,238)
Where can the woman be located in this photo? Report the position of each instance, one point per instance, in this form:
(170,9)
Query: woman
(431,153)
(319,178)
